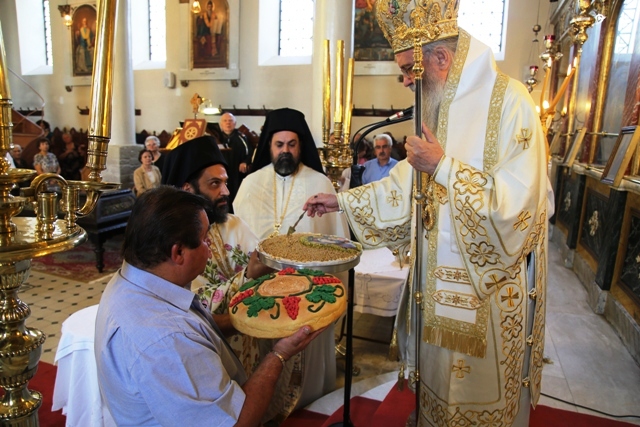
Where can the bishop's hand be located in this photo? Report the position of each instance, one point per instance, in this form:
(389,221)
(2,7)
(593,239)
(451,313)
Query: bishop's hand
(424,154)
(321,204)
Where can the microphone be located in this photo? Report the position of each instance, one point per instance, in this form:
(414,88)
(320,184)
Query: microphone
(400,114)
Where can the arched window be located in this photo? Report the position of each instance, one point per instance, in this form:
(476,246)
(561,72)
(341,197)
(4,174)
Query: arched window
(148,34)
(285,32)
(34,37)
(296,28)
(626,33)
(485,20)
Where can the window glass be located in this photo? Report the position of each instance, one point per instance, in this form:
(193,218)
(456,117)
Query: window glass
(47,33)
(33,38)
(148,34)
(484,19)
(626,33)
(296,28)
(157,31)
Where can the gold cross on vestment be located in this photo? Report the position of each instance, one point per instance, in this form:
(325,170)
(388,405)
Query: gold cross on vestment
(394,199)
(372,236)
(522,224)
(460,369)
(496,281)
(524,138)
(511,295)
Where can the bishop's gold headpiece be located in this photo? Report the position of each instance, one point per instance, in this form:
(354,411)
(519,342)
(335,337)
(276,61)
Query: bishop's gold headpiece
(428,20)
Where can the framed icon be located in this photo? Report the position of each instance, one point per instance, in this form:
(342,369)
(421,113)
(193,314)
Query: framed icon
(622,152)
(83,37)
(211,40)
(372,53)
(574,148)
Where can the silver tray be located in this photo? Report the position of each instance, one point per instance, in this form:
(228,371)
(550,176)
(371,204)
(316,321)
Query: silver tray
(338,267)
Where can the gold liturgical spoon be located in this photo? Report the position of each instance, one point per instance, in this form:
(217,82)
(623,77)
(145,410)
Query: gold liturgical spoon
(292,229)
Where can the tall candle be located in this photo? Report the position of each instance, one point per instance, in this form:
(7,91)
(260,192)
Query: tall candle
(326,89)
(543,91)
(348,102)
(338,113)
(563,88)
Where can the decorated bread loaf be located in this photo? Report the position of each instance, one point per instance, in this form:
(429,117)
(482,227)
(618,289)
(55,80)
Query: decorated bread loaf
(278,304)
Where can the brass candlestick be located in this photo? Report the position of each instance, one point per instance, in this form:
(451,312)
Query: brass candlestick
(336,155)
(22,239)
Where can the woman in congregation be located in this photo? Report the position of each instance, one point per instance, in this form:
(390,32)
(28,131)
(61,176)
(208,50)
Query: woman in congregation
(44,161)
(147,176)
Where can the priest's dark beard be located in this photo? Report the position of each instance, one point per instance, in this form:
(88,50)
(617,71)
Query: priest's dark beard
(432,94)
(215,213)
(285,164)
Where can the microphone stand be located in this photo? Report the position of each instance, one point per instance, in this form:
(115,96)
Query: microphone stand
(356,180)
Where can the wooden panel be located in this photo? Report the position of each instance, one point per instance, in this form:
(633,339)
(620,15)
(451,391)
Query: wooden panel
(626,280)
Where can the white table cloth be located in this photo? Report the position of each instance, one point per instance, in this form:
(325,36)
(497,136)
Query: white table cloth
(76,389)
(379,281)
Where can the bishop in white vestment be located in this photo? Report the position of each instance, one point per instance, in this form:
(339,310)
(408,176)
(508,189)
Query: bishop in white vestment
(487,198)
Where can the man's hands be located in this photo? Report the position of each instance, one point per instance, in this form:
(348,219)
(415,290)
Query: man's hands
(255,268)
(424,155)
(290,346)
(321,204)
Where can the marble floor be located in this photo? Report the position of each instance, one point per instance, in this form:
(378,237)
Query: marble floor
(588,364)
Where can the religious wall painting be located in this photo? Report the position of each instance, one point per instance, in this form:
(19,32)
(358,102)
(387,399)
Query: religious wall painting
(371,51)
(210,35)
(83,37)
(624,150)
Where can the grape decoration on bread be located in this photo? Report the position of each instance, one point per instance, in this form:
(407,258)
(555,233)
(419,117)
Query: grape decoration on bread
(276,305)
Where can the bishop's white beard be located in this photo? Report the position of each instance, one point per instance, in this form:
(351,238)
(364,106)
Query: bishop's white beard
(432,94)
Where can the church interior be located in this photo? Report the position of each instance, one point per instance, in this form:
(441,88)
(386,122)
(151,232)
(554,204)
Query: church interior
(579,59)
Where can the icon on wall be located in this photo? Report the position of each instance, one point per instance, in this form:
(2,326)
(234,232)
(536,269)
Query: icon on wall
(210,35)
(83,38)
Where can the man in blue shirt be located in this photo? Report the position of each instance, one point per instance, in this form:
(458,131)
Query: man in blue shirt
(161,358)
(378,168)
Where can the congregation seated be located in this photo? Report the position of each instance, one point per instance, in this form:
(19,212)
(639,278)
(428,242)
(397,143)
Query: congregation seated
(44,161)
(18,161)
(147,176)
(71,161)
(381,165)
(152,144)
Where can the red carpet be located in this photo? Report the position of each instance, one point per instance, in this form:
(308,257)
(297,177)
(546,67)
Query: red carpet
(396,407)
(544,416)
(43,382)
(79,263)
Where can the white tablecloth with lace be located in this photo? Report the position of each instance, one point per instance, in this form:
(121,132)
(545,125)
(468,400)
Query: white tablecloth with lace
(379,281)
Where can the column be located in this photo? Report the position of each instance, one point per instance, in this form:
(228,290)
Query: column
(333,21)
(122,159)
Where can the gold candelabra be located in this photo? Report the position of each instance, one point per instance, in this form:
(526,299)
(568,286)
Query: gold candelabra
(336,154)
(588,12)
(22,239)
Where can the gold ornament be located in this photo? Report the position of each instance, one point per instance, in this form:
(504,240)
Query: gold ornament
(405,21)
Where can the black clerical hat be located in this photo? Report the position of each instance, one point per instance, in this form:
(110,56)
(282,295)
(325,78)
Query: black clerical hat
(189,158)
(293,121)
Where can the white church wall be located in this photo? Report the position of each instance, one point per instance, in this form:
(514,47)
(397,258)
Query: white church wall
(269,86)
